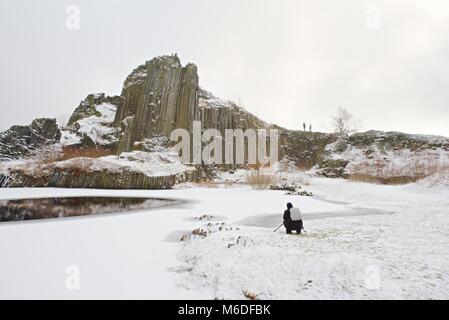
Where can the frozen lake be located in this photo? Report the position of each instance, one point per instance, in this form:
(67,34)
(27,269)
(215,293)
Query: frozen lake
(62,207)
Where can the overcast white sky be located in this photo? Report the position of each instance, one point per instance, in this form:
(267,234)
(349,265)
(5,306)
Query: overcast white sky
(288,61)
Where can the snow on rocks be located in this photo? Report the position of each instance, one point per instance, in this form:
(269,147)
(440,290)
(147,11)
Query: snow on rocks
(69,138)
(137,77)
(137,170)
(204,217)
(98,127)
(292,187)
(153,164)
(303,193)
(206,230)
(208,100)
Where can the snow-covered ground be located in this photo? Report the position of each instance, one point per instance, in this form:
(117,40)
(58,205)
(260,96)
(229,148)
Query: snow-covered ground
(399,252)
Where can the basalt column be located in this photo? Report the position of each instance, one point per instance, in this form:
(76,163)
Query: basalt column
(158,98)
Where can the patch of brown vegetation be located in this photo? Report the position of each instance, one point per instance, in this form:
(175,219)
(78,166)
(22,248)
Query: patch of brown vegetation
(249,295)
(380,180)
(70,153)
(257,179)
(380,172)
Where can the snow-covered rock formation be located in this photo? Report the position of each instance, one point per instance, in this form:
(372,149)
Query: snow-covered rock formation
(162,95)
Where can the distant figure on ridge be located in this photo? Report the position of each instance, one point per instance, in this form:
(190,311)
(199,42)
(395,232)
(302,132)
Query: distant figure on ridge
(293,219)
(304,126)
(310,127)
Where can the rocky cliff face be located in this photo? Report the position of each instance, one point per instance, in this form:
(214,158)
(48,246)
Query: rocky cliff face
(305,149)
(223,114)
(20,141)
(158,97)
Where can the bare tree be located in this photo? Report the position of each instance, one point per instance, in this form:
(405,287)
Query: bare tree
(343,122)
(62,121)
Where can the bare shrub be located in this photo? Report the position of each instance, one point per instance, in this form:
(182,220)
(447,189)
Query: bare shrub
(258,179)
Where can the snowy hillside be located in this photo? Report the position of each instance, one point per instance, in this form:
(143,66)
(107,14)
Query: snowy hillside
(390,155)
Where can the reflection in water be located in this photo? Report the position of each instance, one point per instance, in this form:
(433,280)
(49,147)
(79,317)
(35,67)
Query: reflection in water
(47,208)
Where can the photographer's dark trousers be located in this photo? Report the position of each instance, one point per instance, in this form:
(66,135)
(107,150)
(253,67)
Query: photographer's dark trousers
(293,225)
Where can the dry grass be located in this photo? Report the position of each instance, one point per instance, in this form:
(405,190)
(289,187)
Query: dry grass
(44,160)
(382,172)
(258,179)
(378,180)
(70,153)
(51,155)
(81,164)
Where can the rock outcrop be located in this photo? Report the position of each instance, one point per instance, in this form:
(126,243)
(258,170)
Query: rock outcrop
(397,140)
(157,98)
(98,179)
(221,114)
(305,149)
(21,141)
(92,123)
(134,170)
(88,107)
